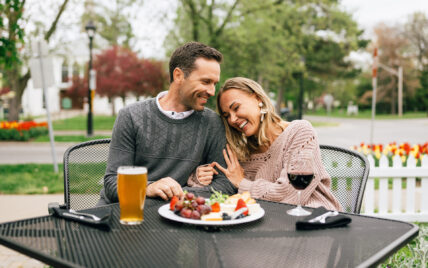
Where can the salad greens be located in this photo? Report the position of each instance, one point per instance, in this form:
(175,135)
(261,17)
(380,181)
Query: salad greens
(217,196)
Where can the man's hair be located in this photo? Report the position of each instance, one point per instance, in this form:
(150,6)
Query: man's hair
(185,56)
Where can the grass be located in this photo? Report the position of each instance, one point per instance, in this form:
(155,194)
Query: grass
(414,254)
(31,179)
(100,122)
(69,138)
(366,114)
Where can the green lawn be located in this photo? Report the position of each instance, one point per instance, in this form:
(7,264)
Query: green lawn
(69,138)
(31,179)
(100,122)
(366,114)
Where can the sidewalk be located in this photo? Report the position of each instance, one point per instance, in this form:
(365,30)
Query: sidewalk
(16,207)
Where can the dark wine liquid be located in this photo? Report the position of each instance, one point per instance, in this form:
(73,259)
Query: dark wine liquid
(300,182)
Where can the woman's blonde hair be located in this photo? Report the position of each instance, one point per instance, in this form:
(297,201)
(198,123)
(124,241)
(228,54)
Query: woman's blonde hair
(242,145)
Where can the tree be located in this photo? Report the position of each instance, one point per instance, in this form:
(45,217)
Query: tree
(112,19)
(120,72)
(416,31)
(393,49)
(266,40)
(12,34)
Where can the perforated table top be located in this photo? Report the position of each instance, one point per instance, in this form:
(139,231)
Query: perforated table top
(272,241)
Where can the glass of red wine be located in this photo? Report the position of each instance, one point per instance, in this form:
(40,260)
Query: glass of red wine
(300,174)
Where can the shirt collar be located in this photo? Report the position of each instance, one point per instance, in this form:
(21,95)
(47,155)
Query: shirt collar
(171,114)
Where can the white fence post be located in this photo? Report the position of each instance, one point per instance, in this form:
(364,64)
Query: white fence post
(369,192)
(424,186)
(383,187)
(396,187)
(410,187)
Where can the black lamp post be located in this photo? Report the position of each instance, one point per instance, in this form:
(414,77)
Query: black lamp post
(90,30)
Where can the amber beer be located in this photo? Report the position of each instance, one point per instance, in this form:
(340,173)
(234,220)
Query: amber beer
(131,189)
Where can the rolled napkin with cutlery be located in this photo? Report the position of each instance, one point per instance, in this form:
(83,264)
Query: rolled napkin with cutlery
(99,218)
(322,218)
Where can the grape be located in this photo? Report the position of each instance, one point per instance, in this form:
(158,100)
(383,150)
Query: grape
(179,205)
(200,200)
(186,213)
(195,215)
(189,196)
(194,204)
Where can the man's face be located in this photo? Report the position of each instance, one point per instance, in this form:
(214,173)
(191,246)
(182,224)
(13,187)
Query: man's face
(200,84)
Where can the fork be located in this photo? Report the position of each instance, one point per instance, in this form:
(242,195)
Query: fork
(96,218)
(331,214)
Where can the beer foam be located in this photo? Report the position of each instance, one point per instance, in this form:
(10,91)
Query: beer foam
(132,170)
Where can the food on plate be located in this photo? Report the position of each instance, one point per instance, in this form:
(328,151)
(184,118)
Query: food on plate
(219,207)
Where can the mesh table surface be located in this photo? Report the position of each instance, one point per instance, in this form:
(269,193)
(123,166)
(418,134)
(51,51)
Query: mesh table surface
(269,242)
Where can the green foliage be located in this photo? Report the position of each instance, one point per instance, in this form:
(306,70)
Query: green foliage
(414,254)
(30,179)
(266,41)
(11,12)
(22,135)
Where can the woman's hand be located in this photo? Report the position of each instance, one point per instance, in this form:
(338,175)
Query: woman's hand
(205,173)
(234,171)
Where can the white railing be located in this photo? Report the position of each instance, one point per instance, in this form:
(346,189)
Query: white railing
(405,201)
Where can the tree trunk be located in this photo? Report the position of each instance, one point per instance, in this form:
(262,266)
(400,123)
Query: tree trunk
(17,85)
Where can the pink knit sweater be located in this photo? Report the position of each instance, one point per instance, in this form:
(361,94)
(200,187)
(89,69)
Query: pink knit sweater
(266,173)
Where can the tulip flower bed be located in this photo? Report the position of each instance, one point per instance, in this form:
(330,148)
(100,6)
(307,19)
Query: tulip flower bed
(404,150)
(21,131)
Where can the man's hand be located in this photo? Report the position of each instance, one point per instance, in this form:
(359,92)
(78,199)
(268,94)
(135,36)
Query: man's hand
(205,173)
(165,188)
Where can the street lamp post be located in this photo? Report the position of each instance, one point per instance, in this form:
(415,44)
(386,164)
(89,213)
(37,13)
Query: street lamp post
(301,89)
(90,30)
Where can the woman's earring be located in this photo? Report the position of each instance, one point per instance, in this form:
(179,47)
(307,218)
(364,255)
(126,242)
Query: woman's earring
(262,112)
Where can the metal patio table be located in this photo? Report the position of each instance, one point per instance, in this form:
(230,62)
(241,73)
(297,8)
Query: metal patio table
(271,241)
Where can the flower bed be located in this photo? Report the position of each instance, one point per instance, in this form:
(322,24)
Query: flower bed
(22,131)
(404,150)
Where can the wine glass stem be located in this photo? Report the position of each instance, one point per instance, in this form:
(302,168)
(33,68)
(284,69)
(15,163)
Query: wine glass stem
(299,204)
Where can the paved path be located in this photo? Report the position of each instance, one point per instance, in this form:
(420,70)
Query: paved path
(16,207)
(354,131)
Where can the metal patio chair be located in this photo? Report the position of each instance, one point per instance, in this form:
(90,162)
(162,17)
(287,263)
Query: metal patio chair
(84,169)
(349,171)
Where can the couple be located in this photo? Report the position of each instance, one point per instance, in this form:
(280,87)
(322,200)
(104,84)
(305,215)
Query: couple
(173,134)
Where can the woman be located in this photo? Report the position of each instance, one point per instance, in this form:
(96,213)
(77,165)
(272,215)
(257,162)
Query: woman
(260,146)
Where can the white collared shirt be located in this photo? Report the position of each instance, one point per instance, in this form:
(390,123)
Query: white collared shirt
(171,114)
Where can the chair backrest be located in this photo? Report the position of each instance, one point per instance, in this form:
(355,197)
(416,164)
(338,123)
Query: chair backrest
(349,171)
(84,169)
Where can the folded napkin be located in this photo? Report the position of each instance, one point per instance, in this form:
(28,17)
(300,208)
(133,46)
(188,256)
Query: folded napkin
(103,214)
(330,222)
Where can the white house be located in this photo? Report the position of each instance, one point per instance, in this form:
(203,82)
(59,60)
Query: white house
(68,60)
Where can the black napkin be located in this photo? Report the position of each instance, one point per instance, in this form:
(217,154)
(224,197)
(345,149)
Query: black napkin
(331,221)
(103,213)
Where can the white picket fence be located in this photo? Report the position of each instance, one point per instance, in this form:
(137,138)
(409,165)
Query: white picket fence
(409,203)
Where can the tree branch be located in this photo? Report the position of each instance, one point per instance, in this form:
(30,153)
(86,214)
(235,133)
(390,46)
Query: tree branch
(55,22)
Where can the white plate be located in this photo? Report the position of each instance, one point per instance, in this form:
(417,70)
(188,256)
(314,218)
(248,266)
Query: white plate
(165,212)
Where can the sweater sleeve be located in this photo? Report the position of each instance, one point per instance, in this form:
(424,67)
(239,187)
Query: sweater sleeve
(121,153)
(302,144)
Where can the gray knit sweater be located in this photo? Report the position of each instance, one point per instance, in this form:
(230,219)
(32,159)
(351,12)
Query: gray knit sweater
(144,136)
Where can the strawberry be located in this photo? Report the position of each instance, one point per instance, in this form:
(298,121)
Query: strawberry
(215,207)
(174,200)
(241,204)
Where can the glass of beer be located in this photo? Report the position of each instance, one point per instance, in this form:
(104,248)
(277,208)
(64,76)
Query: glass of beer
(131,189)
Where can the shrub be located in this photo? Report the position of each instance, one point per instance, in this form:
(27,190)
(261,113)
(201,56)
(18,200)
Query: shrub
(22,131)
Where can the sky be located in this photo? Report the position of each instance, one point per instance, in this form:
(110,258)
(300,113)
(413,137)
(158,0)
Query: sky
(369,13)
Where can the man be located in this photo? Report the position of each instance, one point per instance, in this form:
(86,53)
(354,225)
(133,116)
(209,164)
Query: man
(173,133)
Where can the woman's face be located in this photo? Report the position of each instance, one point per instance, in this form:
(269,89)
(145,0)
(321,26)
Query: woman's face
(241,111)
